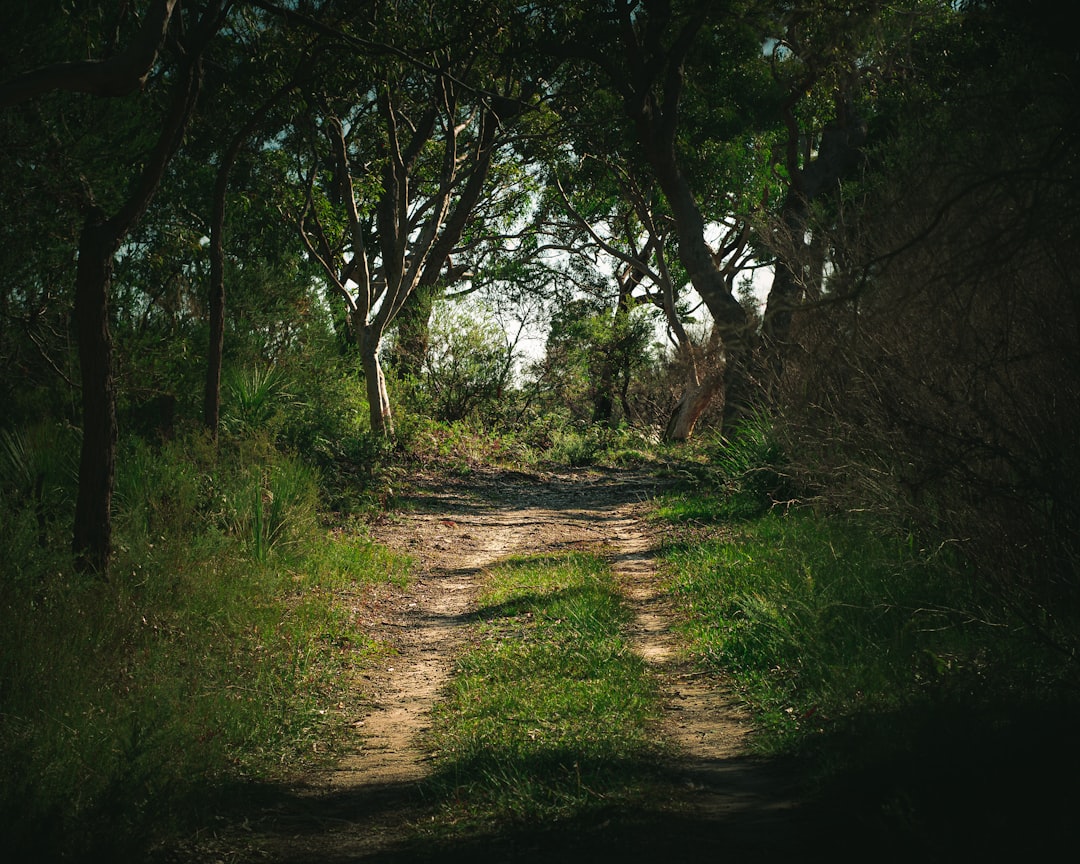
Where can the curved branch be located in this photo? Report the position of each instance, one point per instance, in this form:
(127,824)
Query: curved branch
(117,76)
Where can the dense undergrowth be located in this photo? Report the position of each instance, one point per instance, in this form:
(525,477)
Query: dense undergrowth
(222,647)
(915,697)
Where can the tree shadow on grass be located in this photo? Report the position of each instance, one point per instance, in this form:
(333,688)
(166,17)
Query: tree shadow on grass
(958,782)
(385,824)
(933,785)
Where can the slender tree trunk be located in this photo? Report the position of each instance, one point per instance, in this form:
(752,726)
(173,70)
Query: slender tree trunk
(603,397)
(216,347)
(92,538)
(101,237)
(216,293)
(801,263)
(382,422)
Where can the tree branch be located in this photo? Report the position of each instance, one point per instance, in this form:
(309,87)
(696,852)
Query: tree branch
(119,75)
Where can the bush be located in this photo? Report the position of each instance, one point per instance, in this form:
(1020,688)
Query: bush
(468,366)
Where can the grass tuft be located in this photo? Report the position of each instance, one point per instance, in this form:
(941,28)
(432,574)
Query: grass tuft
(550,714)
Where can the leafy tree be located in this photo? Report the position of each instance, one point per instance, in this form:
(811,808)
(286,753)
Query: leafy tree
(392,173)
(468,368)
(105,184)
(593,352)
(687,84)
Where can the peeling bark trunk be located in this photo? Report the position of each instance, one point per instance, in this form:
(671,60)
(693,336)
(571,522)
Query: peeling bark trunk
(382,422)
(692,404)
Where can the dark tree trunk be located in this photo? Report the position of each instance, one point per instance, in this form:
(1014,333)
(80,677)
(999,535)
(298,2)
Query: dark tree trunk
(216,347)
(216,294)
(92,539)
(603,398)
(100,239)
(799,269)
(655,119)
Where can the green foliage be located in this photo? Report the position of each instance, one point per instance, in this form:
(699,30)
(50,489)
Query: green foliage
(751,463)
(592,355)
(468,366)
(550,714)
(890,674)
(463,446)
(222,648)
(820,620)
(254,397)
(746,478)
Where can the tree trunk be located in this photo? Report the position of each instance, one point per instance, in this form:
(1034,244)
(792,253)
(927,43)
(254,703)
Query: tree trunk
(603,396)
(786,292)
(656,133)
(801,263)
(382,422)
(216,347)
(216,294)
(692,404)
(92,539)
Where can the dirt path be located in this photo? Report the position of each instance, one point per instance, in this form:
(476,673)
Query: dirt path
(364,809)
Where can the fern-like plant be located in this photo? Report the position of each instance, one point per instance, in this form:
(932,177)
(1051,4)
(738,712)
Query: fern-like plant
(254,396)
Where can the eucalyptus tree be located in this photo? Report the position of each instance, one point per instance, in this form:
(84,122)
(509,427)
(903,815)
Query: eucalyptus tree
(484,237)
(393,169)
(620,215)
(676,96)
(112,124)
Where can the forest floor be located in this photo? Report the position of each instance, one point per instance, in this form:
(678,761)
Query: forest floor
(715,798)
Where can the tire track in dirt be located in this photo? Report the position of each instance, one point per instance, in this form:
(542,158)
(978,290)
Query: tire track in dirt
(364,807)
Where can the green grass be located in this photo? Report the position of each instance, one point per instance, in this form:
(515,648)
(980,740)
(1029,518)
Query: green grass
(550,714)
(917,705)
(818,618)
(220,650)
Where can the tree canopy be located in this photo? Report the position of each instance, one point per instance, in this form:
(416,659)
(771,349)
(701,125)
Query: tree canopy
(194,188)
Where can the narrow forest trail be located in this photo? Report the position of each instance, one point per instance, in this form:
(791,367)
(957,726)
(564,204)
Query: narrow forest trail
(366,807)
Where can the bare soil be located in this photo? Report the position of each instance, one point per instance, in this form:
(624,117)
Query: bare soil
(366,807)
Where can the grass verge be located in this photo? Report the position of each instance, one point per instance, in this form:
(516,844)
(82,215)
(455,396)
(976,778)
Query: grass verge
(550,715)
(224,647)
(919,705)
